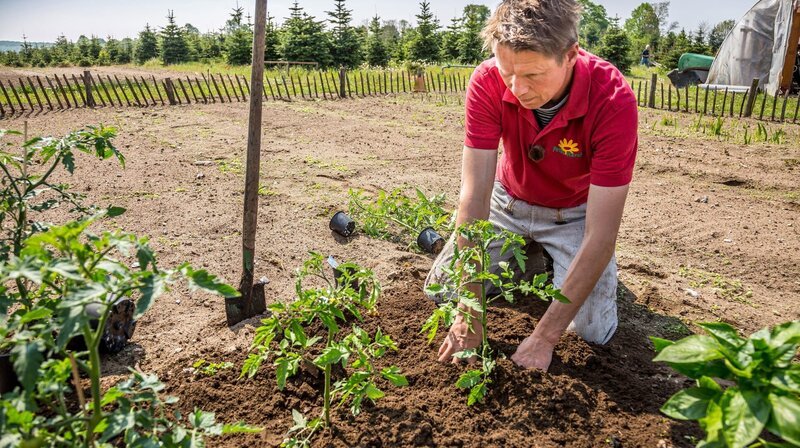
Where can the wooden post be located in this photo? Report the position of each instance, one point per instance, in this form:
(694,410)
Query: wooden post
(239,83)
(639,94)
(272,94)
(796,108)
(733,102)
(774,105)
(191,88)
(80,92)
(208,85)
(696,98)
(342,77)
(55,92)
(252,300)
(8,100)
(147,89)
(87,88)
(331,92)
(404,76)
(233,88)
(299,83)
(363,90)
(349,89)
(225,88)
(705,101)
(322,85)
(714,104)
(105,89)
(135,96)
(170,89)
(50,105)
(286,87)
(751,98)
(783,108)
(744,100)
(2,111)
(216,87)
(183,89)
(686,95)
(71,91)
(369,85)
(25,92)
(661,87)
(16,95)
(651,99)
(158,91)
(763,106)
(63,92)
(669,96)
(121,89)
(95,89)
(263,88)
(724,102)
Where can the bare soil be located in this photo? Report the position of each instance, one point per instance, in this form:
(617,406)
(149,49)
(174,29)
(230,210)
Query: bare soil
(710,233)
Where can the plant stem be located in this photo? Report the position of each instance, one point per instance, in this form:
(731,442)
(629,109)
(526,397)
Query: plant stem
(484,321)
(326,398)
(93,344)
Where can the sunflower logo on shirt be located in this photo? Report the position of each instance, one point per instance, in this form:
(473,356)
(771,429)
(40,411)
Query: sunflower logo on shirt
(568,147)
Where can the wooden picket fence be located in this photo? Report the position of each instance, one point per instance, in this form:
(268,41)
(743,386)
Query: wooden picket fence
(87,90)
(753,103)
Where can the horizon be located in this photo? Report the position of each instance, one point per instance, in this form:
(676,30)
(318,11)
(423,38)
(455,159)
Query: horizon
(126,19)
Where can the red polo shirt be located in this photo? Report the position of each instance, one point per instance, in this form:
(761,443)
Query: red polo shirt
(591,140)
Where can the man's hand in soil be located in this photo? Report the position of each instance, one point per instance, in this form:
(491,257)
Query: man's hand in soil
(534,353)
(460,338)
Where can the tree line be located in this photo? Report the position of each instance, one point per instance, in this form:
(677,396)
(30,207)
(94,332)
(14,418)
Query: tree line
(336,42)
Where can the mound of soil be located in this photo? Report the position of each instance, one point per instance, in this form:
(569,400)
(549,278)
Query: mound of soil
(592,396)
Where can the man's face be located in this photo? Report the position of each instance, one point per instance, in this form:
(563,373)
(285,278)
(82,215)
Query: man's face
(534,78)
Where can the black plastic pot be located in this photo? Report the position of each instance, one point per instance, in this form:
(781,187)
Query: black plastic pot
(340,273)
(342,224)
(119,326)
(8,377)
(430,241)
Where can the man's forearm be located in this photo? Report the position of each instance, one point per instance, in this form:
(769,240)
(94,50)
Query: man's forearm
(581,278)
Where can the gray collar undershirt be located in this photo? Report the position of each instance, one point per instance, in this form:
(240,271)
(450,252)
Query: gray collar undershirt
(545,115)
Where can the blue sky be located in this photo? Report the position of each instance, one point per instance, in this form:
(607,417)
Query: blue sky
(44,20)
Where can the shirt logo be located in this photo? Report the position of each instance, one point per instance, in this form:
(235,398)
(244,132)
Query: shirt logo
(568,147)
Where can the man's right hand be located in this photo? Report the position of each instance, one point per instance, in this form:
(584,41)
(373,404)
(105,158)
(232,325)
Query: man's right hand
(460,338)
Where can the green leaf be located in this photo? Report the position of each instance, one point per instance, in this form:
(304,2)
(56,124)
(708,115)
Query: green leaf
(785,418)
(660,343)
(476,394)
(787,380)
(689,404)
(154,286)
(299,419)
(27,359)
(113,212)
(240,428)
(691,349)
(201,419)
(465,354)
(434,289)
(474,304)
(469,379)
(118,423)
(393,375)
(35,314)
(372,392)
(725,334)
(201,279)
(744,414)
(281,371)
(331,355)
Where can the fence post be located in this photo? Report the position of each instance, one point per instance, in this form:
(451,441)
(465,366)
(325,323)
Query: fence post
(651,99)
(342,80)
(751,98)
(87,86)
(170,91)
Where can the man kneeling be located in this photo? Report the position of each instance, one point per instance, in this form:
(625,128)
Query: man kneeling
(568,123)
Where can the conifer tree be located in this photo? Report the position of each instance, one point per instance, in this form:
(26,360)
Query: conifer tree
(424,46)
(271,41)
(470,44)
(377,53)
(239,41)
(615,47)
(146,46)
(450,38)
(345,42)
(173,43)
(303,39)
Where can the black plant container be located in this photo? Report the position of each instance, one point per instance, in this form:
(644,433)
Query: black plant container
(119,326)
(430,241)
(8,377)
(342,224)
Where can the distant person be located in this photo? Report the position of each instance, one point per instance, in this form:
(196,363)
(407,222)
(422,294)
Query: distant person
(569,126)
(646,56)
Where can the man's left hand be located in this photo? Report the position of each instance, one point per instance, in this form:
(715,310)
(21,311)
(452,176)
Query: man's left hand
(534,353)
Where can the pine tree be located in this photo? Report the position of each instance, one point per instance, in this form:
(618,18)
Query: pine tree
(303,39)
(112,49)
(345,42)
(173,43)
(126,51)
(239,41)
(271,41)
(146,45)
(450,38)
(470,44)
(615,47)
(62,50)
(424,46)
(26,52)
(377,53)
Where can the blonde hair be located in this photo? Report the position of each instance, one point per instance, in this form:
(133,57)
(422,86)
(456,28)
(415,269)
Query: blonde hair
(549,27)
